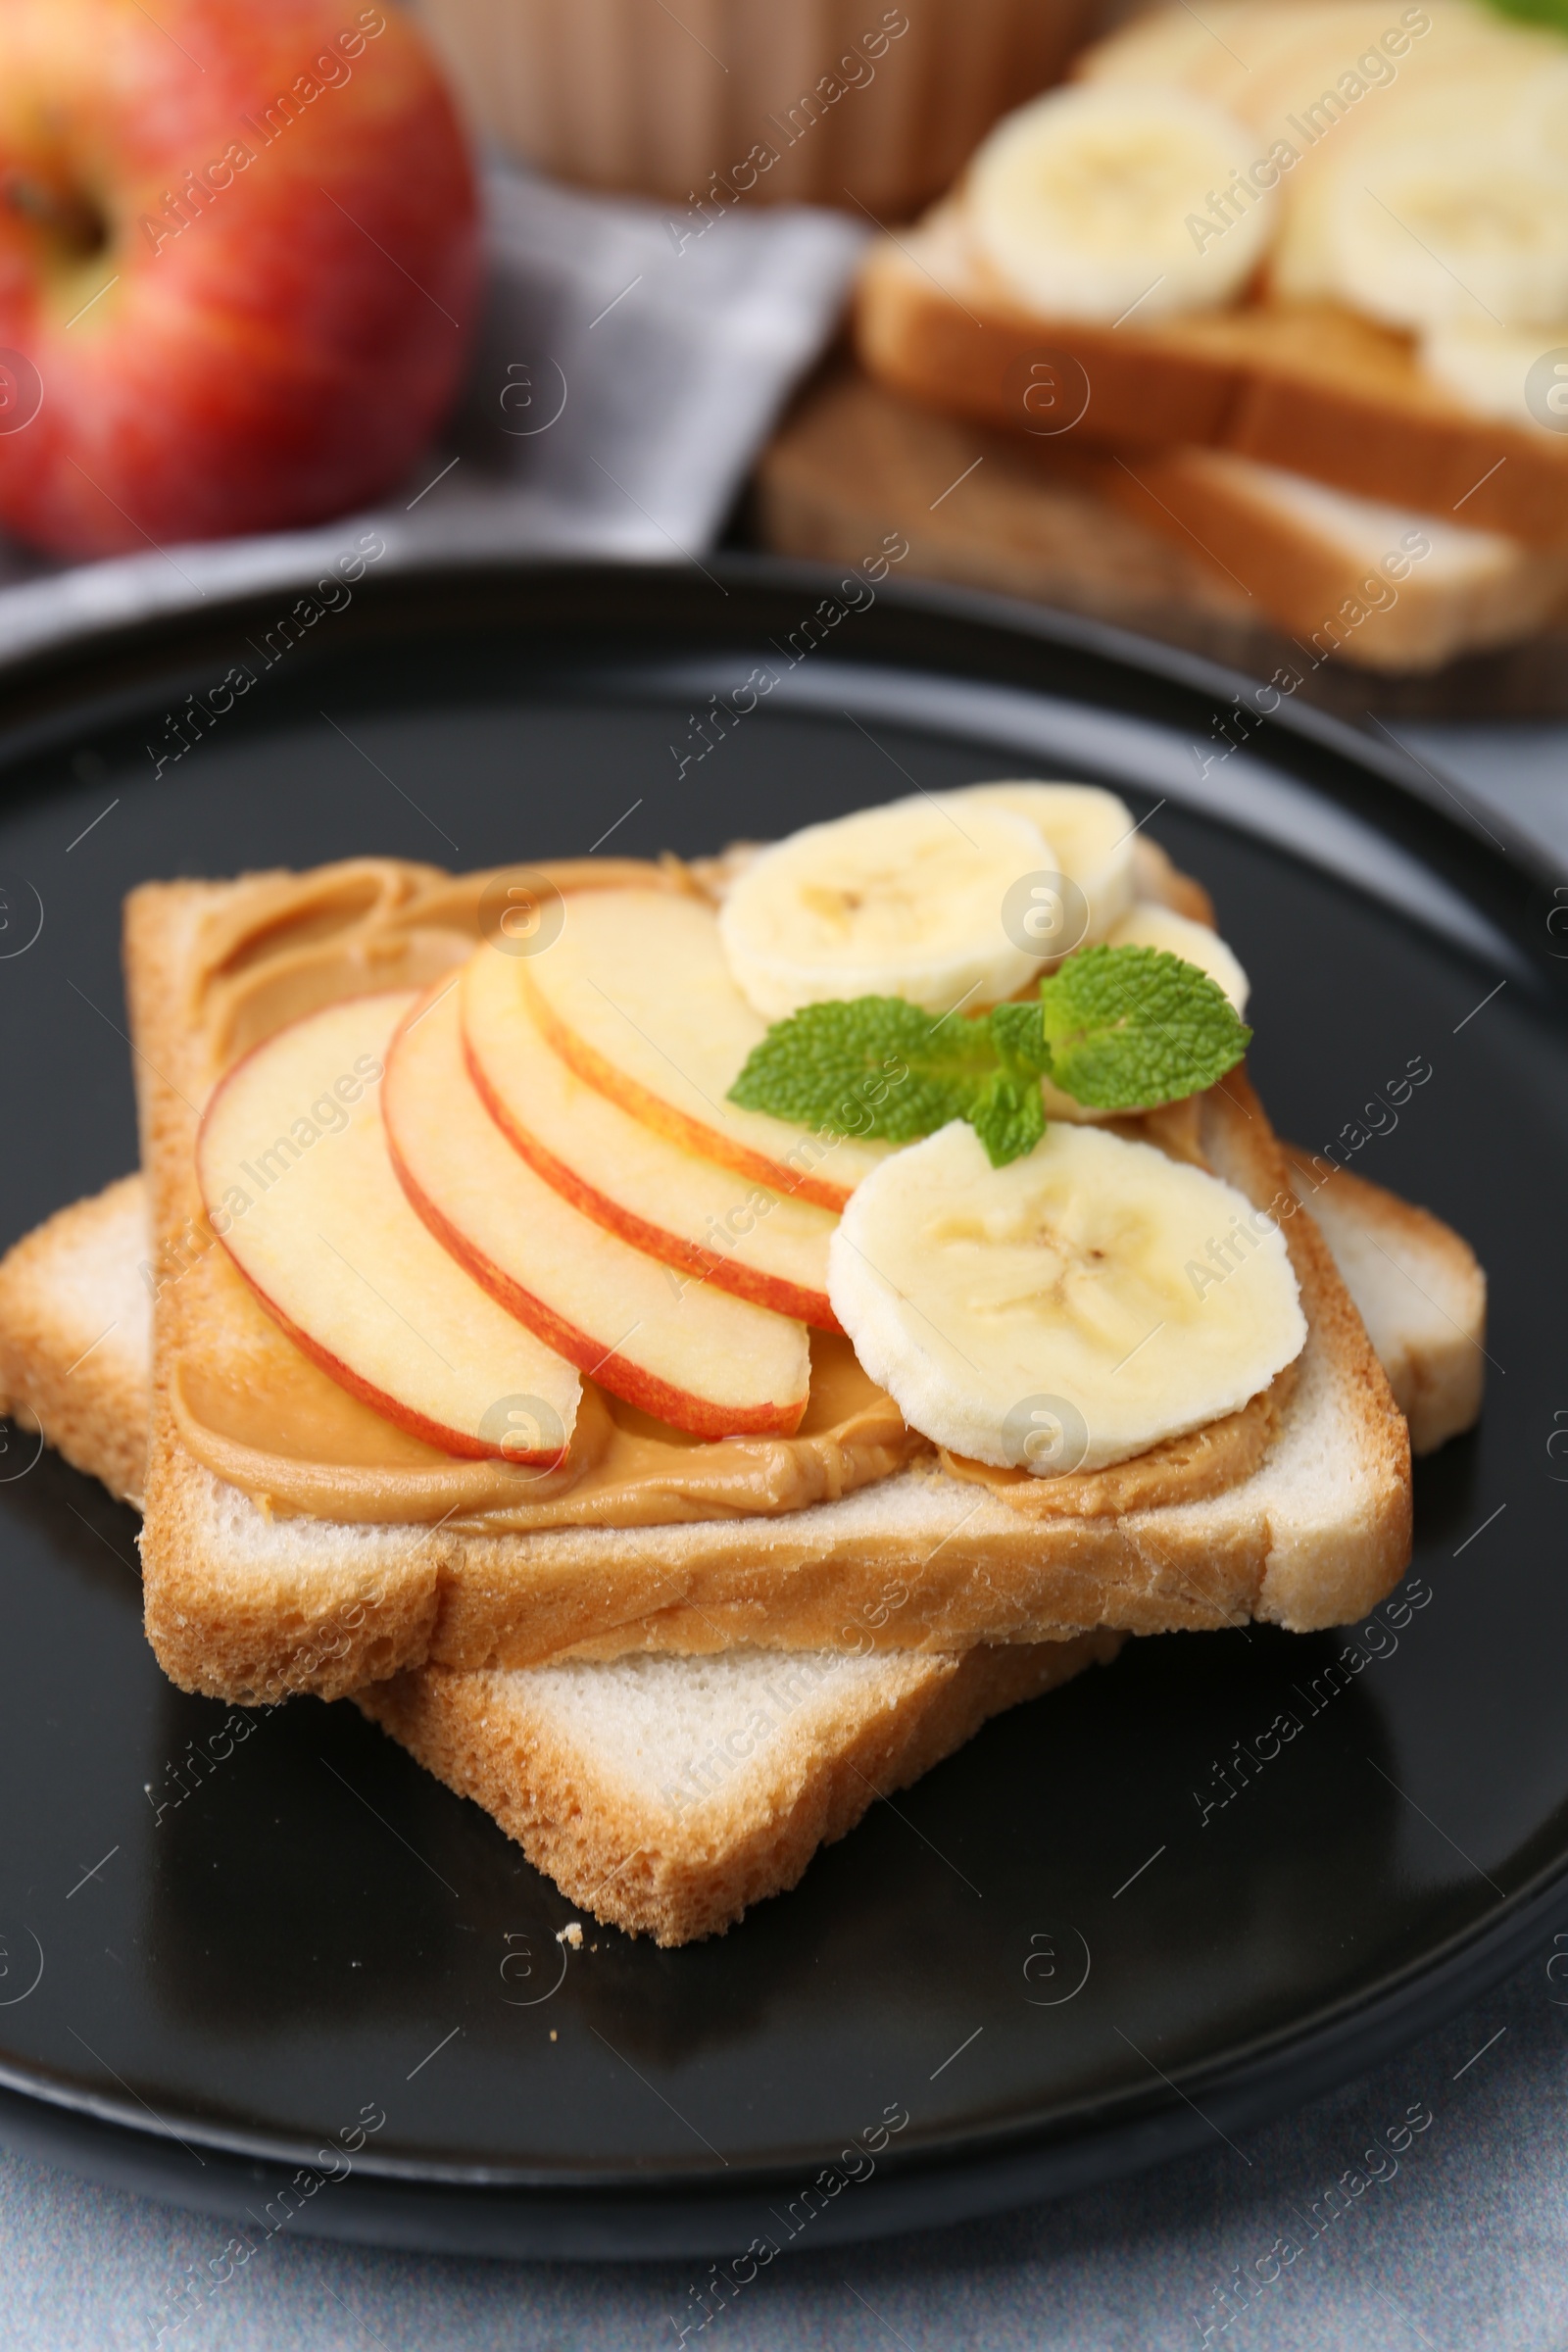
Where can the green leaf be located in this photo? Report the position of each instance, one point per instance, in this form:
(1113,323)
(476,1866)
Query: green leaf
(1008,1117)
(1131,1027)
(1536,12)
(1019,1036)
(871,1067)
(1118,1028)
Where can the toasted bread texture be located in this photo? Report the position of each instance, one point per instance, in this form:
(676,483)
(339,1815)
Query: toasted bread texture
(1379,586)
(670,1793)
(664,1796)
(76,1335)
(667,1794)
(1419,1290)
(242,1604)
(1196,546)
(1302,385)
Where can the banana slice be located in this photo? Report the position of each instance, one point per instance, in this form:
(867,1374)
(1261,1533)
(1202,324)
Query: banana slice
(1091,832)
(905,901)
(1447,102)
(1068,1310)
(1448,97)
(1470,234)
(1540,118)
(1489,367)
(1082,202)
(1150,926)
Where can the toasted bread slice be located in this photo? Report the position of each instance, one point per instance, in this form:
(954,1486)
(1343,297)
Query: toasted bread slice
(1318,560)
(77,1335)
(240,1600)
(665,1796)
(1418,1289)
(1302,385)
(1288,376)
(1195,543)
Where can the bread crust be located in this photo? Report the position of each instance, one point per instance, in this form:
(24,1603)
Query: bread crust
(242,1607)
(655,1865)
(1304,576)
(75,1336)
(729,1825)
(1311,387)
(1418,1288)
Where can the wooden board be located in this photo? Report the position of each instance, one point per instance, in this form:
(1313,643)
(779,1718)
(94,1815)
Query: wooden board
(987,509)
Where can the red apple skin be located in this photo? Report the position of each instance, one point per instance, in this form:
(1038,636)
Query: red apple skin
(741,1281)
(634,1384)
(287,353)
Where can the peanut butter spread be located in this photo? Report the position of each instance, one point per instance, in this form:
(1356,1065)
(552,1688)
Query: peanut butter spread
(261,1415)
(1187,1469)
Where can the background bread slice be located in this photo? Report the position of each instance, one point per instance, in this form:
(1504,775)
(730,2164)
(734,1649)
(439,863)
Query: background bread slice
(1345,575)
(663,1794)
(1306,386)
(1064,525)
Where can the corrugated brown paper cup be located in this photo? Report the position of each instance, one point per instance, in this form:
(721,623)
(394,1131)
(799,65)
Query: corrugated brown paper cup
(816,101)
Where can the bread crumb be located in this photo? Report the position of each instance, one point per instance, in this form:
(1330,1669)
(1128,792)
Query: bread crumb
(572,1934)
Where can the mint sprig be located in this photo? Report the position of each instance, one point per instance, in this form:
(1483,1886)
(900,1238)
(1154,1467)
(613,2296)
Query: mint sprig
(1116,1028)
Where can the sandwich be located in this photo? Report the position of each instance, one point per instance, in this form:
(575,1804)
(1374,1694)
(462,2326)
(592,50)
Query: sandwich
(1326,240)
(1198,543)
(663,1794)
(578,1262)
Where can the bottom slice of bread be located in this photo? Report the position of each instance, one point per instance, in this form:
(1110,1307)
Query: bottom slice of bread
(1417,1287)
(663,1794)
(667,1794)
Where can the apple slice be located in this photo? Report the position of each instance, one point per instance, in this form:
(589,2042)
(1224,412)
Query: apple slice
(635,994)
(691,1212)
(673,1344)
(292,1162)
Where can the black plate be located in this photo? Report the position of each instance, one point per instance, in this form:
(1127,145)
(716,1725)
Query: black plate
(1045,1962)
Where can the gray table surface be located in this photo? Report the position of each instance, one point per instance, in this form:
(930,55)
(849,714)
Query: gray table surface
(1465,2246)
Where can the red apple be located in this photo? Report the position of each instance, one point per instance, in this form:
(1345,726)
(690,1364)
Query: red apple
(238,265)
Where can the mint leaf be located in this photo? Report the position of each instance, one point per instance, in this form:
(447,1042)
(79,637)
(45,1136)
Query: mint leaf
(1536,12)
(1008,1117)
(880,1067)
(870,1066)
(1128,1028)
(1019,1036)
